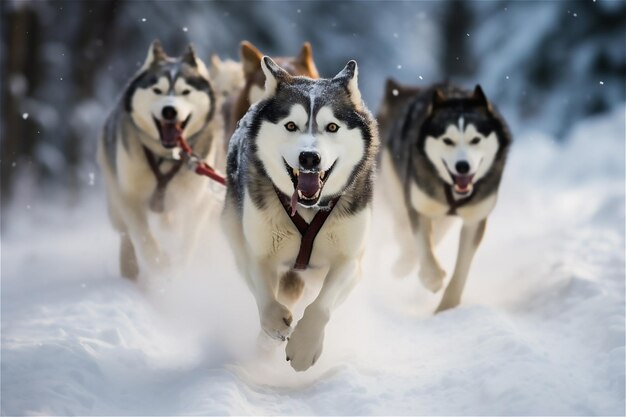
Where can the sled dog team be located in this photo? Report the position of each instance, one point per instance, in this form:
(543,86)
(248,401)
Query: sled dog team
(299,153)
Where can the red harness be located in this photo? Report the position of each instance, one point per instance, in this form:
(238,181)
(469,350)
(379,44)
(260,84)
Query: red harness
(196,164)
(308,231)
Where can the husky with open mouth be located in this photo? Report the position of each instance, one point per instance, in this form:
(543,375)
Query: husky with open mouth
(138,155)
(300,175)
(444,153)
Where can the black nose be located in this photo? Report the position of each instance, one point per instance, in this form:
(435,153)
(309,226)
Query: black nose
(462,167)
(309,160)
(169,113)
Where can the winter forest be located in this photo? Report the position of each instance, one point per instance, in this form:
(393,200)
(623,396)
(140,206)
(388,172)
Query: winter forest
(541,326)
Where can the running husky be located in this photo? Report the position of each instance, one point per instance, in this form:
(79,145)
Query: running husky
(444,153)
(138,156)
(303,154)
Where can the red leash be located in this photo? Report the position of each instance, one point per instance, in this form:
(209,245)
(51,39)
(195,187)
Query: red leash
(199,166)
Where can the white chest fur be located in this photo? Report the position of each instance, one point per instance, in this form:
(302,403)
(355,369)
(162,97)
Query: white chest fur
(470,213)
(271,236)
(425,204)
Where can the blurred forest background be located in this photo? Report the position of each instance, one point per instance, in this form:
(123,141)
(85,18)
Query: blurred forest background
(546,64)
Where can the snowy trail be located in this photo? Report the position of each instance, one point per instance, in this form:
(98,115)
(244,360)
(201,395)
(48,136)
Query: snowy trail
(540,329)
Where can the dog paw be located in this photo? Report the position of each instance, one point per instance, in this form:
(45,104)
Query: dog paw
(432,275)
(306,342)
(276,321)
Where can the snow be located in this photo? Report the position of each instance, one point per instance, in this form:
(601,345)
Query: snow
(540,329)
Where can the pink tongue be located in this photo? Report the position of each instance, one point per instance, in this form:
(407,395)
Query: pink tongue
(308,185)
(463,182)
(170,133)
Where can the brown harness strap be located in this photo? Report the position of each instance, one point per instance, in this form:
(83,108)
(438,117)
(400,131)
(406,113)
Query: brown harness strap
(308,231)
(454,203)
(162,179)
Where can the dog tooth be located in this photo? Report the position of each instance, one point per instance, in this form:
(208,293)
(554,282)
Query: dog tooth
(300,194)
(296,172)
(322,174)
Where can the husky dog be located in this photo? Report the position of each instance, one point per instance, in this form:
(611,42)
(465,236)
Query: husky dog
(305,151)
(444,153)
(252,91)
(138,155)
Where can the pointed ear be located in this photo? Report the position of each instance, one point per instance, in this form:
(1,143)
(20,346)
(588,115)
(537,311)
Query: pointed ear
(392,88)
(348,76)
(155,55)
(438,97)
(250,58)
(274,75)
(480,97)
(216,62)
(191,58)
(305,57)
(437,100)
(306,53)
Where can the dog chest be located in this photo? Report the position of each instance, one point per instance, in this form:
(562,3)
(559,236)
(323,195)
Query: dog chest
(425,204)
(472,213)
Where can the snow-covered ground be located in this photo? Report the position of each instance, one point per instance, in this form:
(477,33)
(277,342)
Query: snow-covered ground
(540,329)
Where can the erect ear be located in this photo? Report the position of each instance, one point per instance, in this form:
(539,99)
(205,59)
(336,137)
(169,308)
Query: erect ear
(348,76)
(216,62)
(305,58)
(437,100)
(250,58)
(480,97)
(392,88)
(274,75)
(156,54)
(190,58)
(438,97)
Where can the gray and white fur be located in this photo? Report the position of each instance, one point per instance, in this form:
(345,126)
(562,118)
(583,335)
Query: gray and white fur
(166,98)
(444,153)
(302,132)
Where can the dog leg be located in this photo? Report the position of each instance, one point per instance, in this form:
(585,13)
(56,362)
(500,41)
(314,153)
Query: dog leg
(306,342)
(471,235)
(128,260)
(143,240)
(275,317)
(407,259)
(431,274)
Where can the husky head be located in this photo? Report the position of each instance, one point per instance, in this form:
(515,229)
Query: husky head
(313,137)
(170,97)
(461,137)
